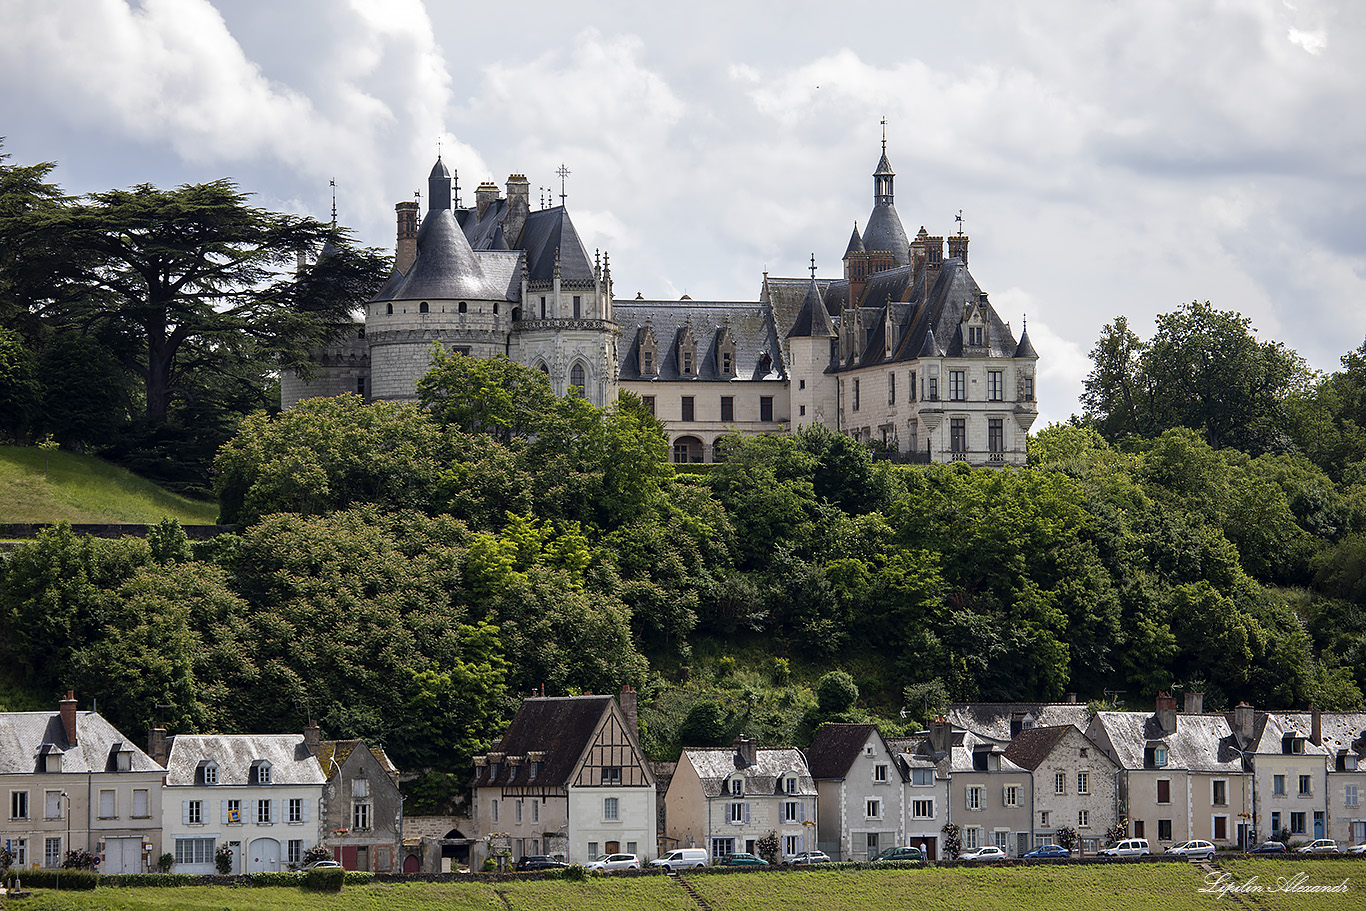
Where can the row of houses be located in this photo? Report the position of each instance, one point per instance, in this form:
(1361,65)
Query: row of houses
(72,782)
(569,779)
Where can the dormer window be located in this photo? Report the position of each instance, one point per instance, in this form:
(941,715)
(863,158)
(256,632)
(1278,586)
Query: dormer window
(1159,756)
(737,787)
(790,784)
(51,757)
(261,772)
(725,352)
(975,337)
(687,353)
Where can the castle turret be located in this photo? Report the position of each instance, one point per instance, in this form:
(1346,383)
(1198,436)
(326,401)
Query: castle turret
(438,187)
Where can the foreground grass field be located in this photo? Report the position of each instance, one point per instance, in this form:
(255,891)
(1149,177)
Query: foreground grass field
(1168,886)
(65,487)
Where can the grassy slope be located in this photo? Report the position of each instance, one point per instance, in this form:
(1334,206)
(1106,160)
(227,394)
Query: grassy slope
(1172,887)
(82,489)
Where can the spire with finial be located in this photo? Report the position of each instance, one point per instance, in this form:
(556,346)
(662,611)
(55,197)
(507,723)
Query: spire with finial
(333,184)
(563,172)
(813,266)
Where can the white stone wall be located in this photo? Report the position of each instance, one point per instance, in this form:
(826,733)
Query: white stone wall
(635,822)
(215,822)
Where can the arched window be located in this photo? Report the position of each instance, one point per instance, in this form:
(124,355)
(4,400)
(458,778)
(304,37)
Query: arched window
(463,306)
(544,368)
(422,307)
(389,309)
(495,309)
(576,376)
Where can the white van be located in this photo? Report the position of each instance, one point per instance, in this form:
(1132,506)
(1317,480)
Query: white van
(682,859)
(1129,847)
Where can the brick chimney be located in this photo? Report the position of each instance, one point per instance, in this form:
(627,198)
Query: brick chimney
(1070,698)
(156,745)
(1195,703)
(1166,712)
(747,748)
(485,195)
(958,247)
(406,251)
(68,709)
(1315,726)
(941,734)
(1243,719)
(627,701)
(312,737)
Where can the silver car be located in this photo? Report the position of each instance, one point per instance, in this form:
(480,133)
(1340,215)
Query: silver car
(614,862)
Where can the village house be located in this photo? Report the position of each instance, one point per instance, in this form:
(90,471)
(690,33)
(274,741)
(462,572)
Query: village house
(1075,784)
(362,808)
(860,784)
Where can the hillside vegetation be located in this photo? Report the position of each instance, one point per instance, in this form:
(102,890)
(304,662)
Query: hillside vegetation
(38,486)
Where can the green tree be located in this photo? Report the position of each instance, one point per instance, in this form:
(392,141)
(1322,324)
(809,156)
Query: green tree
(19,389)
(83,394)
(1118,392)
(494,395)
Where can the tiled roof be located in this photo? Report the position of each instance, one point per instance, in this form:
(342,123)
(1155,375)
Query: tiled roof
(715,766)
(1031,747)
(993,719)
(22,735)
(560,727)
(750,326)
(234,754)
(835,747)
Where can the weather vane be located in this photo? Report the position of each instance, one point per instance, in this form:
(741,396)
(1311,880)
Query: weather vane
(884,133)
(563,172)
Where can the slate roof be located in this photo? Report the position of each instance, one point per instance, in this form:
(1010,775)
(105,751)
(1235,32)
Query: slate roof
(884,233)
(341,750)
(993,719)
(1344,731)
(1026,347)
(560,727)
(291,762)
(1031,747)
(1200,743)
(23,734)
(445,268)
(812,320)
(715,766)
(750,326)
(1276,725)
(786,296)
(835,747)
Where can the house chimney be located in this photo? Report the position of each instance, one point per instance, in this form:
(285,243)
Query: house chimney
(312,737)
(958,247)
(406,250)
(747,748)
(1195,703)
(485,195)
(627,700)
(68,709)
(1166,712)
(1243,717)
(1315,725)
(941,733)
(156,745)
(1070,698)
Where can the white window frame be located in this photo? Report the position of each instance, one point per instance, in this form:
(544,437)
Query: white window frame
(972,837)
(792,811)
(18,804)
(1059,782)
(872,808)
(361,815)
(973,795)
(611,809)
(922,803)
(1084,781)
(194,813)
(1083,819)
(880,773)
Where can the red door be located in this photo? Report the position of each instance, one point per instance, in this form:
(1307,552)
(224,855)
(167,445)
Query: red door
(348,858)
(411,864)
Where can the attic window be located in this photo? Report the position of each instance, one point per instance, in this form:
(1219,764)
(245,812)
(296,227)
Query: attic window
(975,337)
(737,786)
(687,354)
(463,307)
(725,352)
(261,771)
(123,761)
(208,772)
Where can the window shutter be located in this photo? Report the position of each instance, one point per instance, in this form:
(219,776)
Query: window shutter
(275,810)
(1005,795)
(306,803)
(967,798)
(223,809)
(140,803)
(801,811)
(747,812)
(185,812)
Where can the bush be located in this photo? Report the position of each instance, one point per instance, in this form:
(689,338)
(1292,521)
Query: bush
(317,852)
(358,877)
(76,880)
(148,880)
(222,859)
(779,671)
(165,862)
(272,878)
(574,873)
(324,879)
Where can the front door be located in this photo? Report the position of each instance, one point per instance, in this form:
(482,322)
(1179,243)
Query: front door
(412,864)
(263,855)
(612,847)
(1318,823)
(236,857)
(122,854)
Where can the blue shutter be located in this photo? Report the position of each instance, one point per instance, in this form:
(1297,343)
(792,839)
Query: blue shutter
(275,810)
(185,812)
(306,802)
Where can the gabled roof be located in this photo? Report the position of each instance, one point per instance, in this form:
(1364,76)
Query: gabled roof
(993,719)
(338,751)
(750,326)
(1200,742)
(836,746)
(1031,747)
(235,754)
(1277,726)
(716,766)
(547,232)
(23,735)
(560,728)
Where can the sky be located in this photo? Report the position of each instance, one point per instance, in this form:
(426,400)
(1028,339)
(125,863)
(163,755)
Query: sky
(1108,157)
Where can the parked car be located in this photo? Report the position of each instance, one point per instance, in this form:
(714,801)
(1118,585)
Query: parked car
(900,852)
(1129,847)
(1193,850)
(1269,847)
(322,865)
(986,852)
(743,859)
(1355,849)
(539,862)
(1318,846)
(809,857)
(682,859)
(614,862)
(1044,851)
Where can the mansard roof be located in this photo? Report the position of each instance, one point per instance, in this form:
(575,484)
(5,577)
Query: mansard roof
(750,324)
(23,735)
(995,719)
(716,766)
(1199,743)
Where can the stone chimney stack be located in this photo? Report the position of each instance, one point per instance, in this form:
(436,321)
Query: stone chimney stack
(312,737)
(1195,703)
(1166,712)
(1315,726)
(519,207)
(627,700)
(1070,698)
(1243,719)
(406,250)
(748,749)
(485,195)
(941,734)
(68,709)
(156,745)
(958,247)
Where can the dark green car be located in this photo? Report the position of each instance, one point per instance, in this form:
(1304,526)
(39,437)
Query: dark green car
(743,859)
(900,852)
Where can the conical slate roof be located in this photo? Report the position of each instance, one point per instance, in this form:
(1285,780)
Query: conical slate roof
(885,233)
(445,268)
(812,320)
(855,243)
(1025,348)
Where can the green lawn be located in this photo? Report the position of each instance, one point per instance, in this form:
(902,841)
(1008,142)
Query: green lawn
(1169,886)
(65,487)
